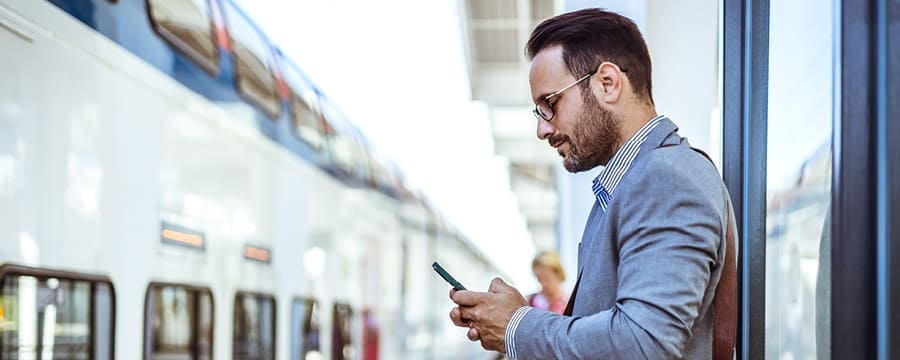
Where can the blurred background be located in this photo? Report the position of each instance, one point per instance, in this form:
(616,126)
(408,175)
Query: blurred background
(443,88)
(189,177)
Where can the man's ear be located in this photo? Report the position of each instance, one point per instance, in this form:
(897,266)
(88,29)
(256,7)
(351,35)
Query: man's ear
(609,82)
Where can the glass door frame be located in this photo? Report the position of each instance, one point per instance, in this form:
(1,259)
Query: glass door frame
(865,245)
(744,112)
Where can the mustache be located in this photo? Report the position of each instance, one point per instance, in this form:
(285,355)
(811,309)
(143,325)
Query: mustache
(557,139)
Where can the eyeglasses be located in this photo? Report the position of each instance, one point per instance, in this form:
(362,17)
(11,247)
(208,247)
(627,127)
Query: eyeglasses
(544,108)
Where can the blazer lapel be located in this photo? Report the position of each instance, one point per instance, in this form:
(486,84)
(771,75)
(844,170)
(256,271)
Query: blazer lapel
(659,136)
(656,138)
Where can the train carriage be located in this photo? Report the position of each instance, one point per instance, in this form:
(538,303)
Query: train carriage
(172,186)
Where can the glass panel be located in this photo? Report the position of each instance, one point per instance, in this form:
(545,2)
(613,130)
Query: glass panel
(102,321)
(341,340)
(304,115)
(306,123)
(180,323)
(342,150)
(253,60)
(254,327)
(186,24)
(204,327)
(801,67)
(341,144)
(47,318)
(305,327)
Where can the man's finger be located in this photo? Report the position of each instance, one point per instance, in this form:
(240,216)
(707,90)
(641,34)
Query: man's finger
(468,313)
(457,319)
(468,298)
(473,335)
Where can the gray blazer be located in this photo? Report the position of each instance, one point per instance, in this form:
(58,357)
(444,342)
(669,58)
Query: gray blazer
(647,268)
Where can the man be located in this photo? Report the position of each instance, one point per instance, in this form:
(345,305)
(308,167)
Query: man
(654,249)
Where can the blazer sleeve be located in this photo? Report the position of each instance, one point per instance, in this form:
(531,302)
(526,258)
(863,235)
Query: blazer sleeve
(668,236)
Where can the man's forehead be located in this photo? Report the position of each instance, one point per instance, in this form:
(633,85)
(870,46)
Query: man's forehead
(548,66)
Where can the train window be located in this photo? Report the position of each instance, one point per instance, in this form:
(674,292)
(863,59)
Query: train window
(305,116)
(188,26)
(305,330)
(55,315)
(253,63)
(254,326)
(306,122)
(342,150)
(346,150)
(341,338)
(178,322)
(338,143)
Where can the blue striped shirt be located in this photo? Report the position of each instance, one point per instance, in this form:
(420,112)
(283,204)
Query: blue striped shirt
(604,186)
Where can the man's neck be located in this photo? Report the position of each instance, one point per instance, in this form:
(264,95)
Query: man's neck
(634,121)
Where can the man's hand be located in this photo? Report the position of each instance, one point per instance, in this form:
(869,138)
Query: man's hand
(486,314)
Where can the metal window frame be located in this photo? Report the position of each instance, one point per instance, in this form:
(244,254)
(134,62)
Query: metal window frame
(93,279)
(854,255)
(865,169)
(887,66)
(745,109)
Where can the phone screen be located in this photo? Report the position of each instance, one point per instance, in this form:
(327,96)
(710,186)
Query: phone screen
(444,274)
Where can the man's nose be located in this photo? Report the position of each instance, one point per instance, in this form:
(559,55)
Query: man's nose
(544,129)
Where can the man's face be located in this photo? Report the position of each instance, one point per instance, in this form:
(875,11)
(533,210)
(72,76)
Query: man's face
(582,130)
(546,276)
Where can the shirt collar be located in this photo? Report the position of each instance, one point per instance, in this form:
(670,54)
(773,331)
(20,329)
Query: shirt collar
(612,174)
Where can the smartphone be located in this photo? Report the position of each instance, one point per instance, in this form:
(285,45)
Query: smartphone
(444,274)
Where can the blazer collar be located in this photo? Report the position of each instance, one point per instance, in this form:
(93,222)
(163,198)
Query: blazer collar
(661,135)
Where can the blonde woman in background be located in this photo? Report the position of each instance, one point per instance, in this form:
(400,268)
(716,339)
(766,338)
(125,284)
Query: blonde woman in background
(549,272)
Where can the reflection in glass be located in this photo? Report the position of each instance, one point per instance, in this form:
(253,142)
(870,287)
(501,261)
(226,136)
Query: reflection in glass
(305,329)
(341,341)
(254,327)
(49,318)
(253,59)
(306,123)
(799,167)
(305,116)
(180,322)
(186,24)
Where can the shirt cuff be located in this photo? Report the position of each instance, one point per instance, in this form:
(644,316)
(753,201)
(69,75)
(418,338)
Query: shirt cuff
(510,334)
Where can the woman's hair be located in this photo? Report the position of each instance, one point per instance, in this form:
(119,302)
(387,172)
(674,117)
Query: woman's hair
(550,259)
(590,37)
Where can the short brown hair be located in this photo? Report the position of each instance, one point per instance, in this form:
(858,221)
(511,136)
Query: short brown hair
(592,36)
(550,259)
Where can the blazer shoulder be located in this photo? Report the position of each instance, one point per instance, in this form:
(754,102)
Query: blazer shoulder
(676,171)
(679,162)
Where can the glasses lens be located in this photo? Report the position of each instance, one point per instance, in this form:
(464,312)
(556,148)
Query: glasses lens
(545,110)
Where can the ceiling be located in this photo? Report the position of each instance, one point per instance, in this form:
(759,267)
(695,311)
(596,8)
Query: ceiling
(496,32)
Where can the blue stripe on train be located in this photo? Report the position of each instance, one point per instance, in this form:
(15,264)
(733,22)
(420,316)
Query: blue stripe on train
(127,23)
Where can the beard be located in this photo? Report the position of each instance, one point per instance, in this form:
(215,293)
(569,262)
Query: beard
(594,138)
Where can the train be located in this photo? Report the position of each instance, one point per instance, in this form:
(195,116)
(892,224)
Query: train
(174,186)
